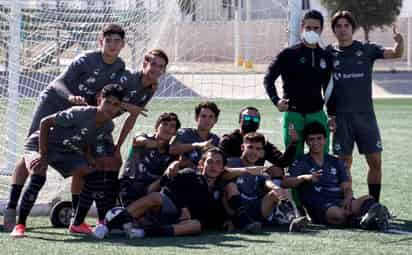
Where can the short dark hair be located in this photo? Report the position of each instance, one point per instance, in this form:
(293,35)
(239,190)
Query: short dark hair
(314,128)
(344,15)
(254,138)
(314,14)
(156,53)
(250,108)
(217,150)
(168,116)
(113,28)
(208,105)
(114,90)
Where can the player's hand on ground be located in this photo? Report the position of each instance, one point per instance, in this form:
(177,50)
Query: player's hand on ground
(134,110)
(283,105)
(332,123)
(77,100)
(173,169)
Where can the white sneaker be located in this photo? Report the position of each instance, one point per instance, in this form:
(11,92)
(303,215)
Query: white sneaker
(100,231)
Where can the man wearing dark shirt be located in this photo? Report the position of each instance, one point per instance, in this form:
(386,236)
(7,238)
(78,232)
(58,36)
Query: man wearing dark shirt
(77,85)
(305,69)
(148,159)
(188,202)
(63,141)
(325,190)
(351,100)
(249,120)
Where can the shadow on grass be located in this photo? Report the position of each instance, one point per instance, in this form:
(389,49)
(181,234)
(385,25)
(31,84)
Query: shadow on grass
(207,238)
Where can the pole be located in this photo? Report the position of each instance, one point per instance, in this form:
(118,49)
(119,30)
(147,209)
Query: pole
(238,59)
(13,84)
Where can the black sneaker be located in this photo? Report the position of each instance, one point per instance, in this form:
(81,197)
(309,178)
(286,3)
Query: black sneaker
(297,224)
(382,220)
(369,219)
(376,218)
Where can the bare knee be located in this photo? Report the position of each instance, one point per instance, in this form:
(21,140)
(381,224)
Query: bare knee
(231,190)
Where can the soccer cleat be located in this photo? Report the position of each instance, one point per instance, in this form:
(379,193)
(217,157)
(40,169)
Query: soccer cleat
(297,224)
(18,231)
(368,220)
(80,229)
(100,231)
(9,221)
(382,220)
(252,228)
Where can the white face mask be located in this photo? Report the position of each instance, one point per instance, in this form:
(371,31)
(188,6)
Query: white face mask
(310,37)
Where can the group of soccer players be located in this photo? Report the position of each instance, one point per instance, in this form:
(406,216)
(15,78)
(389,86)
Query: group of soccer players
(179,181)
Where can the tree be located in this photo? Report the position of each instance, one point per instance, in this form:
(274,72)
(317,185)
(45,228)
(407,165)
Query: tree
(369,14)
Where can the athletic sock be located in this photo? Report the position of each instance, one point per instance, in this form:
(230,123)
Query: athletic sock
(107,193)
(30,196)
(375,191)
(15,193)
(165,230)
(92,182)
(241,218)
(75,203)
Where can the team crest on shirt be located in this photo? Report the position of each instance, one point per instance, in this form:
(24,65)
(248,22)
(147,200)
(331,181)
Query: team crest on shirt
(82,87)
(338,147)
(333,171)
(336,63)
(91,79)
(100,149)
(112,76)
(318,189)
(123,79)
(302,60)
(239,180)
(337,76)
(84,131)
(379,144)
(322,63)
(96,71)
(359,53)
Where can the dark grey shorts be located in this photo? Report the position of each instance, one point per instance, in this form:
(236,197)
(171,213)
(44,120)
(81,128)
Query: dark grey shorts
(49,102)
(359,128)
(64,163)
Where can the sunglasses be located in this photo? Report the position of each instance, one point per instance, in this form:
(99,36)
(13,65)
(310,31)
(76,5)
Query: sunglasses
(255,119)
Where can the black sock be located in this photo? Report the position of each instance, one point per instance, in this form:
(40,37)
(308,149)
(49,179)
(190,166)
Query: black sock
(241,218)
(92,183)
(118,221)
(15,193)
(165,230)
(75,203)
(30,196)
(375,191)
(366,205)
(110,194)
